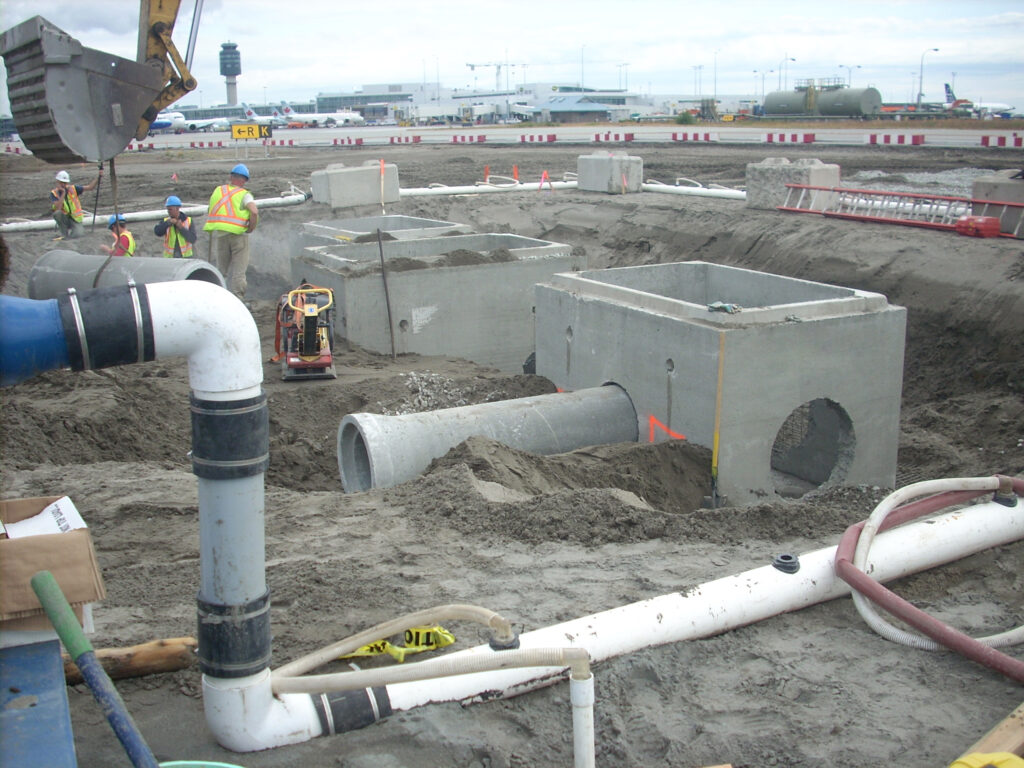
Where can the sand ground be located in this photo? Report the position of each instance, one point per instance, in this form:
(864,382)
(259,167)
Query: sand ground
(561,540)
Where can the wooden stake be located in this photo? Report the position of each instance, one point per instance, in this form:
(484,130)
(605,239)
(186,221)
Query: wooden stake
(167,655)
(1007,736)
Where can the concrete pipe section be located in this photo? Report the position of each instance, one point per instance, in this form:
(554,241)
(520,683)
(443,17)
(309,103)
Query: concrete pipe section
(377,451)
(57,271)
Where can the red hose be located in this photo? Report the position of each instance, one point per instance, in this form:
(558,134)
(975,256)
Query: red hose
(937,630)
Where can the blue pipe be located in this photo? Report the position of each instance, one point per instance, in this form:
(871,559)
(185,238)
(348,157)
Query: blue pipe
(32,339)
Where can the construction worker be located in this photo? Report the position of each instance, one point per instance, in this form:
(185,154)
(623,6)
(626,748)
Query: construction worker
(66,205)
(124,242)
(232,216)
(178,231)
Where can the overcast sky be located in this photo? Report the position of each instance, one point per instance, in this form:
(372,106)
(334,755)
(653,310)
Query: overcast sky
(295,50)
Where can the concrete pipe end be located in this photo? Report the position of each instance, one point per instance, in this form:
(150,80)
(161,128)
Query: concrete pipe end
(354,463)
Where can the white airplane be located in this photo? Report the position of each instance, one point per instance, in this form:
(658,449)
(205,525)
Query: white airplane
(314,119)
(208,124)
(978,107)
(274,119)
(172,121)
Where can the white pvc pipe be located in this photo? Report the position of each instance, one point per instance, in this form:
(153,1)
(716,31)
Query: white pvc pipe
(245,716)
(215,331)
(101,219)
(725,194)
(728,603)
(483,189)
(581,694)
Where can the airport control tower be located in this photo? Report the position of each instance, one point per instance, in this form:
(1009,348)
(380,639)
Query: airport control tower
(230,67)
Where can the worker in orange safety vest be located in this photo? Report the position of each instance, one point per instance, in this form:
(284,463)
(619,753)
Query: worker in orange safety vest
(67,206)
(230,219)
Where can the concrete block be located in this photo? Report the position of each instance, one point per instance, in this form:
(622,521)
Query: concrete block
(341,186)
(1000,187)
(766,181)
(468,296)
(792,384)
(613,172)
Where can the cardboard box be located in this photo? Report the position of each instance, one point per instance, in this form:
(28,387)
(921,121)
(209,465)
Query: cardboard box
(70,557)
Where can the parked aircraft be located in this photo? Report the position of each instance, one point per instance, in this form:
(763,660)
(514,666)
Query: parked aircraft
(978,107)
(168,121)
(209,124)
(274,119)
(314,119)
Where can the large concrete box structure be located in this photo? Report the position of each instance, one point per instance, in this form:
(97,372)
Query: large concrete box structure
(468,296)
(791,384)
(613,172)
(766,181)
(1000,187)
(364,229)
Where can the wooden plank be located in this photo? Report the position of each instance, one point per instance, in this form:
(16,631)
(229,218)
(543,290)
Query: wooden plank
(166,655)
(1007,736)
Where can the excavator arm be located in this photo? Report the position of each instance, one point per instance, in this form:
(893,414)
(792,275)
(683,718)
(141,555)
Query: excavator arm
(71,103)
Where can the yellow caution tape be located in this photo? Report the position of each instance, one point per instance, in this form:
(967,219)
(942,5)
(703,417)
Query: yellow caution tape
(994,759)
(416,640)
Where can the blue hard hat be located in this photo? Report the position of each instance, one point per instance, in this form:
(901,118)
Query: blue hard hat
(114,219)
(173,200)
(240,170)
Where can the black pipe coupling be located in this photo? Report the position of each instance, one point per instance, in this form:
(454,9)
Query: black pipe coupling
(234,640)
(230,439)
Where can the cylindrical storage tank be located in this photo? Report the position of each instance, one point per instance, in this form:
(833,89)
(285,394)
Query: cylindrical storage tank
(850,102)
(57,271)
(785,103)
(377,451)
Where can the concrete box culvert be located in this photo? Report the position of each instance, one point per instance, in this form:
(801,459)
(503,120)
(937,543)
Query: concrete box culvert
(56,271)
(377,451)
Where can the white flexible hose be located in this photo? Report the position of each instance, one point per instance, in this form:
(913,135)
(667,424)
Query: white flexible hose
(456,611)
(867,609)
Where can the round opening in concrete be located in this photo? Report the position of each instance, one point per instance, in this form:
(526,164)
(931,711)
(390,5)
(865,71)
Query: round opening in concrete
(353,460)
(206,275)
(815,445)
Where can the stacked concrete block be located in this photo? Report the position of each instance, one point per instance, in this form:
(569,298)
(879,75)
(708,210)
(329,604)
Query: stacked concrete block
(1000,187)
(341,186)
(615,173)
(767,180)
(791,384)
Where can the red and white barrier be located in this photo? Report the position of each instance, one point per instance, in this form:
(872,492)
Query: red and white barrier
(405,139)
(613,136)
(348,140)
(538,137)
(1002,141)
(694,136)
(913,139)
(478,139)
(789,138)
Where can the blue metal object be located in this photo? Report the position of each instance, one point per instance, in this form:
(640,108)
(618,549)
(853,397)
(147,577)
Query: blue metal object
(35,723)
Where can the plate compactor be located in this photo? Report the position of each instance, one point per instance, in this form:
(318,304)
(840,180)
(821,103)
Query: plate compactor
(304,334)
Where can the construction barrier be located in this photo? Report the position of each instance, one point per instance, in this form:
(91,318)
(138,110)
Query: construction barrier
(613,137)
(469,139)
(348,140)
(694,136)
(915,139)
(789,138)
(405,139)
(541,137)
(1002,141)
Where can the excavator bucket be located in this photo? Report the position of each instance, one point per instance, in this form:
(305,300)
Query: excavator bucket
(71,103)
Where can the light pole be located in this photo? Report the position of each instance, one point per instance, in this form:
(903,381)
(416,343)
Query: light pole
(264,95)
(920,75)
(714,90)
(849,73)
(952,83)
(697,79)
(582,48)
(620,66)
(763,76)
(782,69)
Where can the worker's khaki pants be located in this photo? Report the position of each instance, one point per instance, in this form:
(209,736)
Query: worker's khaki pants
(230,252)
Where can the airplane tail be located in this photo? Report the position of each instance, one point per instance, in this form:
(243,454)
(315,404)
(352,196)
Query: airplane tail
(950,98)
(286,109)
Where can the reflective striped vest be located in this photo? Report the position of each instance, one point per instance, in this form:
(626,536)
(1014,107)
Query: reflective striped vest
(172,236)
(130,251)
(72,205)
(227,214)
